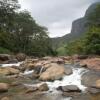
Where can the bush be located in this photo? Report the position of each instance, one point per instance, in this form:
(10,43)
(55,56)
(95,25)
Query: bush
(4,51)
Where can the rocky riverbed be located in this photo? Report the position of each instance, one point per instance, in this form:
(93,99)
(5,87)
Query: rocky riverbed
(50,78)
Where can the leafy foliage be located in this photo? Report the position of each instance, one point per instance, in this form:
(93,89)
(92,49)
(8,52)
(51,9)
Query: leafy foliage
(19,32)
(90,42)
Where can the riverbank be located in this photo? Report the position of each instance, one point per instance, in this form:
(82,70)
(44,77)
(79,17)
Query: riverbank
(51,78)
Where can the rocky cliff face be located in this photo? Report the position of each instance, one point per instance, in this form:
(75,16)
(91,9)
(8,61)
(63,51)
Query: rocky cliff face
(79,25)
(78,28)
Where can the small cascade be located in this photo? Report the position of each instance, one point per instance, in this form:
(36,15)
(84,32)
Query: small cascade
(41,70)
(73,79)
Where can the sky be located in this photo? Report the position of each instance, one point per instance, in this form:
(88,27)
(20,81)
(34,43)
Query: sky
(56,15)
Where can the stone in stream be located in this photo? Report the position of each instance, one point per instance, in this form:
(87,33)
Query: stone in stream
(31,89)
(5,98)
(4,57)
(69,88)
(93,90)
(20,57)
(68,70)
(91,63)
(43,87)
(9,71)
(12,61)
(91,79)
(4,87)
(54,72)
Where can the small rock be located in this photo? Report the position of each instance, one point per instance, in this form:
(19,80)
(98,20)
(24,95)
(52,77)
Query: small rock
(12,61)
(68,71)
(93,90)
(31,89)
(20,56)
(82,56)
(15,83)
(4,57)
(71,94)
(98,84)
(69,88)
(4,87)
(43,87)
(5,98)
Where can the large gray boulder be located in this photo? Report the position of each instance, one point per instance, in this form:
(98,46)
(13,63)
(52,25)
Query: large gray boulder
(90,79)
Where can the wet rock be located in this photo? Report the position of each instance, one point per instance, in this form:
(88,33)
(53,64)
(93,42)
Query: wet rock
(30,66)
(82,96)
(93,90)
(54,72)
(92,63)
(4,57)
(4,87)
(31,89)
(9,71)
(57,60)
(70,94)
(69,88)
(82,56)
(98,84)
(90,79)
(12,61)
(39,69)
(5,98)
(43,87)
(15,83)
(21,57)
(83,65)
(35,75)
(68,70)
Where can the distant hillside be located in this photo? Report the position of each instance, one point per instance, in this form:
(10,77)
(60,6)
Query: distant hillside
(78,29)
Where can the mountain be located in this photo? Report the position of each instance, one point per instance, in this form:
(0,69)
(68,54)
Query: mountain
(78,28)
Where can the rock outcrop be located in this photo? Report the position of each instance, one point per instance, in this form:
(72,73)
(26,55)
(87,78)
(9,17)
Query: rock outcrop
(53,73)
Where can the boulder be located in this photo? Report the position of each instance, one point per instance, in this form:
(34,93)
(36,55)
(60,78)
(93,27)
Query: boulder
(93,90)
(35,75)
(68,70)
(9,71)
(82,57)
(30,66)
(21,57)
(69,88)
(4,57)
(12,61)
(4,87)
(5,98)
(98,84)
(54,72)
(31,89)
(92,63)
(57,60)
(90,79)
(43,87)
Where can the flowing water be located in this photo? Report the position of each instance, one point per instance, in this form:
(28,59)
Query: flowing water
(73,79)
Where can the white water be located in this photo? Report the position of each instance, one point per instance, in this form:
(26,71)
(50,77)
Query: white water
(28,72)
(73,79)
(9,65)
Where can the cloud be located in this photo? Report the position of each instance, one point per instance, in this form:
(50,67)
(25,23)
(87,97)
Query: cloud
(56,15)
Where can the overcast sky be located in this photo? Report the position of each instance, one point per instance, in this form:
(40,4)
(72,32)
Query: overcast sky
(56,15)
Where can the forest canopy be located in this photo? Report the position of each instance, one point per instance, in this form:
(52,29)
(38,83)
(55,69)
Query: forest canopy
(19,32)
